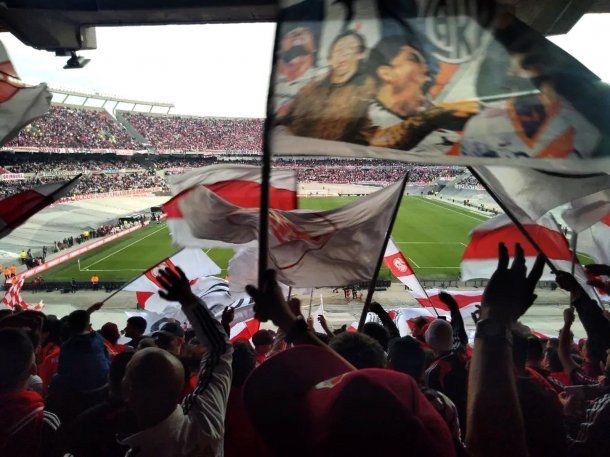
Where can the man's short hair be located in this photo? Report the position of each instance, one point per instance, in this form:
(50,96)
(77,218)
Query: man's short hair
(535,348)
(378,332)
(244,361)
(359,349)
(16,353)
(389,47)
(78,321)
(262,338)
(407,356)
(439,335)
(138,322)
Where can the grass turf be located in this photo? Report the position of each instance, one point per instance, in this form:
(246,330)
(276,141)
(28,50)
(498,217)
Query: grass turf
(430,233)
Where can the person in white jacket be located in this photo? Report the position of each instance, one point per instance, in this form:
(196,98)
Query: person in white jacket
(154,380)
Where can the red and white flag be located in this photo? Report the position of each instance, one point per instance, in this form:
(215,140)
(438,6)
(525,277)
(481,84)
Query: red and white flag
(12,299)
(307,248)
(19,104)
(519,188)
(193,262)
(600,236)
(400,268)
(467,301)
(18,208)
(244,330)
(239,185)
(480,258)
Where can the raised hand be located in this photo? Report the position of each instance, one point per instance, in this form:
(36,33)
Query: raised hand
(175,284)
(510,291)
(448,300)
(568,317)
(228,314)
(269,302)
(598,269)
(566,281)
(476,314)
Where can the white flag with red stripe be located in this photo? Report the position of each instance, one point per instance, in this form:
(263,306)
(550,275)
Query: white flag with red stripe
(307,248)
(19,104)
(480,258)
(600,236)
(536,192)
(18,208)
(467,300)
(193,262)
(401,269)
(239,185)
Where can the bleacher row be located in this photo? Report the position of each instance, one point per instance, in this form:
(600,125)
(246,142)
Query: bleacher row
(86,128)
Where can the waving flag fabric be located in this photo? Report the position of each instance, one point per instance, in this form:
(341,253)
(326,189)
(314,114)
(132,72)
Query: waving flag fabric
(480,258)
(193,262)
(520,188)
(18,208)
(467,301)
(19,104)
(308,248)
(395,260)
(12,299)
(451,82)
(587,211)
(239,185)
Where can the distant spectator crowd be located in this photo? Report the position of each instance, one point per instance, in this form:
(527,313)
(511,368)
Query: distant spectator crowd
(198,133)
(111,172)
(64,127)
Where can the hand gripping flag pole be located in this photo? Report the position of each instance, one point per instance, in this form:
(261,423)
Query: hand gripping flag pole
(371,289)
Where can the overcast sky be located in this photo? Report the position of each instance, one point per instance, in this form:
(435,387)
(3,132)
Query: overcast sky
(219,70)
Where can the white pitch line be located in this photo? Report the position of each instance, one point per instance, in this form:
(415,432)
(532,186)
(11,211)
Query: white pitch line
(430,242)
(124,269)
(413,262)
(454,210)
(123,248)
(443,268)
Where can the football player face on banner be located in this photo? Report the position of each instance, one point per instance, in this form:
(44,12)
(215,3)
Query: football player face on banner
(456,84)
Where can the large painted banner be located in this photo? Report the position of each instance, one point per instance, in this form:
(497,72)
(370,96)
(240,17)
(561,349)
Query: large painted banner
(432,81)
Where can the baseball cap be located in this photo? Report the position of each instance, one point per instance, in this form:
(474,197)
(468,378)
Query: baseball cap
(320,407)
(170,329)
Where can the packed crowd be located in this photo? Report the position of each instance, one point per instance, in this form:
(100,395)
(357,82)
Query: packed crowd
(91,184)
(182,133)
(117,172)
(64,127)
(66,389)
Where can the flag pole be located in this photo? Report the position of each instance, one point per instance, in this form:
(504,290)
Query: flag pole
(573,244)
(515,221)
(371,289)
(139,276)
(310,301)
(263,236)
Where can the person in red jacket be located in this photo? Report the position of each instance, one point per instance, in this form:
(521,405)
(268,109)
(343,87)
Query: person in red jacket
(26,429)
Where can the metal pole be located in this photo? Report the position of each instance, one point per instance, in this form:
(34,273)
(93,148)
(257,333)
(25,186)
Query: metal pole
(371,289)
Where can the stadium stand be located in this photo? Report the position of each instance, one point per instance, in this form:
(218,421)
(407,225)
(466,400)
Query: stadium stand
(77,128)
(188,133)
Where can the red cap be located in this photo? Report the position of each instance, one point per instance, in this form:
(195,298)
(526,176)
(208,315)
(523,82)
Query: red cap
(304,401)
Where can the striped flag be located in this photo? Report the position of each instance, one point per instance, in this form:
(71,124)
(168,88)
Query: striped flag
(480,258)
(307,248)
(193,262)
(12,299)
(239,185)
(18,208)
(400,268)
(19,104)
(467,301)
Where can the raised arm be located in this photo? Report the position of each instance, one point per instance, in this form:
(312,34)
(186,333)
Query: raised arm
(385,319)
(495,423)
(565,341)
(206,406)
(590,314)
(270,304)
(460,337)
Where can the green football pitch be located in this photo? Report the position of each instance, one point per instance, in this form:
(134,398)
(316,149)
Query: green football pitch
(430,233)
